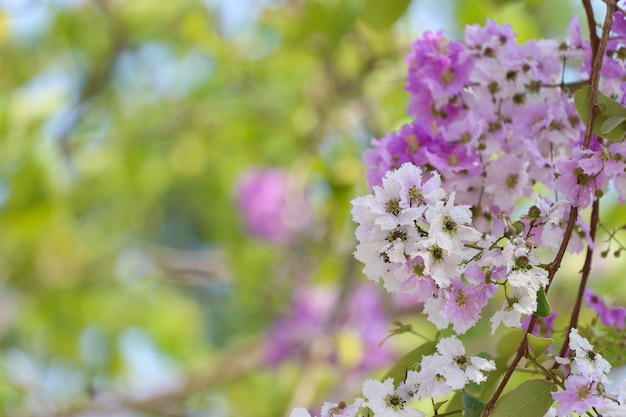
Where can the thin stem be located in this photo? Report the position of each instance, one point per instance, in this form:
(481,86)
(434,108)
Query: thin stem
(586,271)
(546,372)
(521,351)
(598,57)
(595,79)
(591,23)
(554,266)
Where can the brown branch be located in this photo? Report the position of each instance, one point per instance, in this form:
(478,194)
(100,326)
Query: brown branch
(556,263)
(598,57)
(521,351)
(586,271)
(591,23)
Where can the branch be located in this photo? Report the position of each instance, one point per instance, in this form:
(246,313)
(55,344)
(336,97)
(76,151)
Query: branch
(586,271)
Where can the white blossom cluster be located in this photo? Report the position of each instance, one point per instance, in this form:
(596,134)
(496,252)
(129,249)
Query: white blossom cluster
(439,374)
(414,238)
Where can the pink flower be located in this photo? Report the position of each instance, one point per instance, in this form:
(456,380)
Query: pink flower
(579,396)
(438,71)
(580,176)
(462,302)
(272,208)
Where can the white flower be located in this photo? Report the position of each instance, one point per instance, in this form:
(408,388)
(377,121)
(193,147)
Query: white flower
(410,387)
(508,316)
(413,193)
(451,369)
(299,412)
(615,407)
(383,399)
(556,213)
(441,260)
(341,409)
(586,361)
(387,232)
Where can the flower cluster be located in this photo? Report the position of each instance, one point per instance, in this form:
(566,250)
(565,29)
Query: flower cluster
(494,117)
(415,238)
(360,326)
(495,133)
(585,385)
(448,369)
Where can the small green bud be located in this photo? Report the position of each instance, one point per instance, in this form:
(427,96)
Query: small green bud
(534,213)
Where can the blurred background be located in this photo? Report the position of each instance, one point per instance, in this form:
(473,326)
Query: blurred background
(175,187)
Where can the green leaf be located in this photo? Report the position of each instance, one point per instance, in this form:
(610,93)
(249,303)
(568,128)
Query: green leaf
(508,344)
(609,109)
(456,402)
(382,14)
(530,399)
(543,306)
(611,123)
(538,345)
(472,407)
(408,361)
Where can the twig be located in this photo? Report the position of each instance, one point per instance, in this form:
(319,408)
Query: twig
(586,271)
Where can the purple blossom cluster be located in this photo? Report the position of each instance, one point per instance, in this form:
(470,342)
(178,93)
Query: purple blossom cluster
(414,237)
(494,118)
(317,314)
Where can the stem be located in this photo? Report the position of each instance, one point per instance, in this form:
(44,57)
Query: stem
(598,57)
(521,351)
(546,372)
(554,266)
(599,51)
(591,23)
(586,271)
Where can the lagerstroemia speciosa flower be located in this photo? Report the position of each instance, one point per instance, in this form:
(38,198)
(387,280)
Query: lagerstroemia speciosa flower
(585,385)
(492,127)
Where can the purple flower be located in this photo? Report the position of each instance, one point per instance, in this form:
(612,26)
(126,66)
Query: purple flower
(438,71)
(580,394)
(580,176)
(272,208)
(416,143)
(461,303)
(619,24)
(361,319)
(609,316)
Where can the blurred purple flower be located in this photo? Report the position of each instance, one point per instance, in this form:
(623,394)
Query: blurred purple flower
(314,318)
(272,207)
(609,316)
(544,326)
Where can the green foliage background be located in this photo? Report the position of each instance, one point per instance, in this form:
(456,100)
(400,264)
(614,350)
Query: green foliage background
(123,129)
